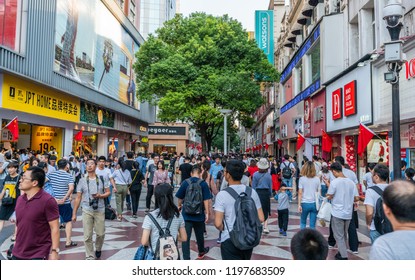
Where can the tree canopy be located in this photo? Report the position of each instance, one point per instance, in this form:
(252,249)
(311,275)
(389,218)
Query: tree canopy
(196,66)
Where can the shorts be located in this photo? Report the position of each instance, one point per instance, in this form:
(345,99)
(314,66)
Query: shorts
(65,211)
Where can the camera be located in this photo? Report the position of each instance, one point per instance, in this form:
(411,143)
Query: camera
(94,203)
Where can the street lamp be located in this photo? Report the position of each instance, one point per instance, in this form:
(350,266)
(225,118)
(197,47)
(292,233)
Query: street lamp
(225,112)
(393,14)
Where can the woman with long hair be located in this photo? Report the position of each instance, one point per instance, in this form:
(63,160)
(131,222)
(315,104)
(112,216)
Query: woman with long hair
(161,175)
(120,180)
(308,186)
(166,211)
(262,184)
(207,177)
(135,187)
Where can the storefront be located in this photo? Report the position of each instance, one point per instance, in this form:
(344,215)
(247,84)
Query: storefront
(349,103)
(45,116)
(167,139)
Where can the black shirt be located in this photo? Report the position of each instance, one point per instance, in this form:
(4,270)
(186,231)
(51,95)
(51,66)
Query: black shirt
(186,169)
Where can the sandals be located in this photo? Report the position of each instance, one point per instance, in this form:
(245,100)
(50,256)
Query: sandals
(72,244)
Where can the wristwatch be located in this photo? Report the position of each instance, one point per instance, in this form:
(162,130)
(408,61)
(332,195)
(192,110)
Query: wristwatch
(55,250)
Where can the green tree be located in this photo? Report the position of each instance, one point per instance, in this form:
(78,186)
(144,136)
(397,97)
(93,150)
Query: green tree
(233,137)
(199,64)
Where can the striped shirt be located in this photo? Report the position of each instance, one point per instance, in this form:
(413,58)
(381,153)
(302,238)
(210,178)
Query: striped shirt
(60,181)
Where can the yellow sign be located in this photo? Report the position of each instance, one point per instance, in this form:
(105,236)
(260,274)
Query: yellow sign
(46,138)
(31,98)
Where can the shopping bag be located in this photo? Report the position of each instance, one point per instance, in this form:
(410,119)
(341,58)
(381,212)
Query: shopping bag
(324,213)
(144,253)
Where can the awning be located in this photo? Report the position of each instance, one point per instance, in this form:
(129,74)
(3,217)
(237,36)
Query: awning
(307,10)
(292,39)
(302,19)
(313,2)
(296,29)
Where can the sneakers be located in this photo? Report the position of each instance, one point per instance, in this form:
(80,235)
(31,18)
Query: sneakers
(266,230)
(202,255)
(339,257)
(205,234)
(281,231)
(218,241)
(98,254)
(353,252)
(284,233)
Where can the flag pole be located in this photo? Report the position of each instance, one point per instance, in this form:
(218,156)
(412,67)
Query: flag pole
(377,136)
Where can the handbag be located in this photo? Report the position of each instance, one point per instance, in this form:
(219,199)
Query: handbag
(144,253)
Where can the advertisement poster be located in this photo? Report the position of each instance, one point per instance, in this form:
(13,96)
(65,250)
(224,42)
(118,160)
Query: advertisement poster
(93,48)
(375,150)
(46,138)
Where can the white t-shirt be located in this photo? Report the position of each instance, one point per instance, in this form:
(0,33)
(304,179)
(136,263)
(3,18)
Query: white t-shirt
(348,174)
(370,199)
(368,178)
(396,245)
(309,186)
(106,173)
(343,191)
(225,203)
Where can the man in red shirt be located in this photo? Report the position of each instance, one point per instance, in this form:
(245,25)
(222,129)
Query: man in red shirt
(37,219)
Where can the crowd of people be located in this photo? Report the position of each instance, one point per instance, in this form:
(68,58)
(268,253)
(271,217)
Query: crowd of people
(42,193)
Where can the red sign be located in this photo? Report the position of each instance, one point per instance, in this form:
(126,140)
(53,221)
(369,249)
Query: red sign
(336,103)
(403,153)
(350,98)
(410,69)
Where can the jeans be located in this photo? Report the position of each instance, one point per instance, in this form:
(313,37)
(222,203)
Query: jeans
(283,219)
(199,228)
(308,208)
(374,234)
(93,221)
(288,182)
(150,191)
(228,251)
(323,190)
(135,198)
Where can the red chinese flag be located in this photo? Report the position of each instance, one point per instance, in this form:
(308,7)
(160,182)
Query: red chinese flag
(300,141)
(266,146)
(280,142)
(327,142)
(78,136)
(13,127)
(365,135)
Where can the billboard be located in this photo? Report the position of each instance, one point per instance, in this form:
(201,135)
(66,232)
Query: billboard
(264,33)
(93,48)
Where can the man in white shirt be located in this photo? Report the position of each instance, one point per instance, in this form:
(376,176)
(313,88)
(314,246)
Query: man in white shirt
(342,193)
(101,170)
(380,176)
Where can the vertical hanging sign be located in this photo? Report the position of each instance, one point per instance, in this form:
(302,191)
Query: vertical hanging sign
(264,33)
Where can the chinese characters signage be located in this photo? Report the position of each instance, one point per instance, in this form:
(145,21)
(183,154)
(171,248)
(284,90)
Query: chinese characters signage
(46,138)
(166,130)
(30,98)
(350,99)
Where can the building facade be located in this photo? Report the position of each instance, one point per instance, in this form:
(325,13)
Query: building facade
(67,66)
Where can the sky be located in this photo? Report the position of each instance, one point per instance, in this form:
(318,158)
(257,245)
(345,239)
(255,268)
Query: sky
(241,10)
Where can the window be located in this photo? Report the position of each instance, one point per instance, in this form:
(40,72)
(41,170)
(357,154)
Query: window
(12,25)
(315,62)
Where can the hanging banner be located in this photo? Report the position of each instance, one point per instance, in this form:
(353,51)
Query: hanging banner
(46,138)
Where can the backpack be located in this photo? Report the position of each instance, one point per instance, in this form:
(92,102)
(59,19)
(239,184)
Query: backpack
(166,248)
(382,224)
(110,213)
(193,199)
(247,229)
(286,171)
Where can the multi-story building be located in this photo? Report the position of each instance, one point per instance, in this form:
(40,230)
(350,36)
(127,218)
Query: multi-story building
(67,66)
(330,56)
(153,14)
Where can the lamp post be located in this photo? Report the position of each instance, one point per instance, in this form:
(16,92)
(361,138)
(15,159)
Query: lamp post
(393,14)
(225,113)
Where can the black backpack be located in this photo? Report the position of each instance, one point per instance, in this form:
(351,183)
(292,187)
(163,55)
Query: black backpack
(382,224)
(247,229)
(286,171)
(110,213)
(193,200)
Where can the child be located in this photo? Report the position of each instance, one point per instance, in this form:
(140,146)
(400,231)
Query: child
(283,206)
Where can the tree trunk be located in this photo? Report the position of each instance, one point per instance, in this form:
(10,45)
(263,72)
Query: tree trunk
(203,139)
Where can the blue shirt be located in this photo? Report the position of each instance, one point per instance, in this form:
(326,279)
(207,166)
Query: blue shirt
(181,193)
(214,169)
(262,181)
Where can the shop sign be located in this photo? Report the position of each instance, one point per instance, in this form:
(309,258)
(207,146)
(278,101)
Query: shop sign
(144,140)
(318,113)
(6,135)
(30,98)
(46,138)
(410,69)
(307,117)
(403,153)
(411,135)
(350,98)
(166,130)
(93,114)
(143,128)
(337,104)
